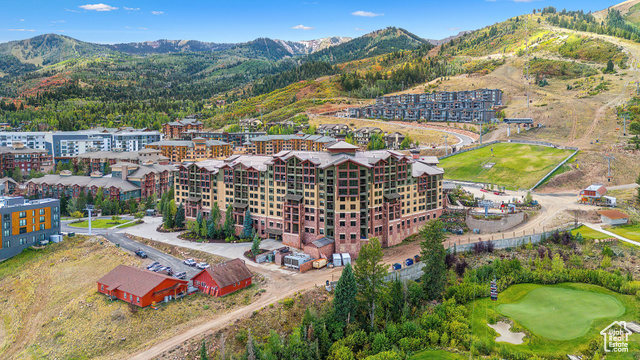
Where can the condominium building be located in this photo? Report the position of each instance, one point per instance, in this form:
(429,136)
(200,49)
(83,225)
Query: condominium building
(192,150)
(273,144)
(98,160)
(26,223)
(71,186)
(150,177)
(24,158)
(301,196)
(175,129)
(235,139)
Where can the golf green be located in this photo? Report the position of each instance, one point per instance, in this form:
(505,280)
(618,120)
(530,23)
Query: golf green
(561,314)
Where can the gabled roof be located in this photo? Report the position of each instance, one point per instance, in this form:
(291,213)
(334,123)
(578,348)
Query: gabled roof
(342,145)
(613,214)
(136,281)
(85,181)
(228,273)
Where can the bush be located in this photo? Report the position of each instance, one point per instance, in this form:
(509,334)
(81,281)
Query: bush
(288,303)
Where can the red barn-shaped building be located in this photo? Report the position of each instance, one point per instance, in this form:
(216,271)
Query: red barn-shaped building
(223,279)
(140,286)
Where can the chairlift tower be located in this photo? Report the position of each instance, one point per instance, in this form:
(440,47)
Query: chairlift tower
(89,209)
(609,157)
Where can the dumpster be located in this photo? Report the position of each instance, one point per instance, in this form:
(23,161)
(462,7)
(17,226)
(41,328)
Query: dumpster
(408,262)
(397,266)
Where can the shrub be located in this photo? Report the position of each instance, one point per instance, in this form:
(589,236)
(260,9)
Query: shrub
(288,303)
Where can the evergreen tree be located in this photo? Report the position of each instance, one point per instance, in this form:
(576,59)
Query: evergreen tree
(369,272)
(215,215)
(255,247)
(179,222)
(211,229)
(203,352)
(107,168)
(344,303)
(609,68)
(229,224)
(247,224)
(396,303)
(433,255)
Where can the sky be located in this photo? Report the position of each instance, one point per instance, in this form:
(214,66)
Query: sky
(118,21)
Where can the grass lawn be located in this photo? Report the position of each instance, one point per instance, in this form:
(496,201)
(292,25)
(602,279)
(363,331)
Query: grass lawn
(516,165)
(128,225)
(436,355)
(631,232)
(98,223)
(557,319)
(554,313)
(589,233)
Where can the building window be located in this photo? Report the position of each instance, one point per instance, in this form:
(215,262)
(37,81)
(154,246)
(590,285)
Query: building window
(41,211)
(23,222)
(23,214)
(23,230)
(41,226)
(138,299)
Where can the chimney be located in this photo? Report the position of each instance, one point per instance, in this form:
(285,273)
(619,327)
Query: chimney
(124,168)
(415,153)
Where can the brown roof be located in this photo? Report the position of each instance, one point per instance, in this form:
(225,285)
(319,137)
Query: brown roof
(230,272)
(133,280)
(613,214)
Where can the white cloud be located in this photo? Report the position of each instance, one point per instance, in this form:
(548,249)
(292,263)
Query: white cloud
(60,31)
(359,29)
(98,7)
(143,28)
(453,29)
(157,12)
(302,27)
(131,9)
(30,30)
(365,13)
(58,21)
(21,19)
(73,11)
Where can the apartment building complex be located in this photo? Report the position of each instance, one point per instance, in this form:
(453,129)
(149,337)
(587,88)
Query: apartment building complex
(235,139)
(65,145)
(457,106)
(175,129)
(71,186)
(301,196)
(98,160)
(24,158)
(151,178)
(192,150)
(26,223)
(273,144)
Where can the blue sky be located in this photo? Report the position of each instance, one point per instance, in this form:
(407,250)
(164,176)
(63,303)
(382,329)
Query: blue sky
(115,21)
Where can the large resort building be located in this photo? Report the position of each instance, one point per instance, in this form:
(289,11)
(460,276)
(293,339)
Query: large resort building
(197,149)
(175,129)
(341,195)
(273,144)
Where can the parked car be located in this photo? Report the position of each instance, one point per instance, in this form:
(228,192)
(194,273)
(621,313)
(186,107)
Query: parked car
(190,262)
(202,265)
(180,275)
(167,269)
(156,268)
(141,253)
(152,265)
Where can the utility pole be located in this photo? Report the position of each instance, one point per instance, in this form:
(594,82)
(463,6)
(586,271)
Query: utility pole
(609,157)
(624,121)
(89,208)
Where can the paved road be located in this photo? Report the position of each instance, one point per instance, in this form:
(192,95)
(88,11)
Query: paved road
(154,254)
(598,227)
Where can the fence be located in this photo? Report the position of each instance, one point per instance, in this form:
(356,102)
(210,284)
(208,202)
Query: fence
(469,149)
(514,241)
(554,169)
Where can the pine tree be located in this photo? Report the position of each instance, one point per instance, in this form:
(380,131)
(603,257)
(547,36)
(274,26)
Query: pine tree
(369,272)
(203,352)
(17,174)
(229,224)
(344,303)
(255,247)
(248,224)
(179,222)
(396,304)
(433,255)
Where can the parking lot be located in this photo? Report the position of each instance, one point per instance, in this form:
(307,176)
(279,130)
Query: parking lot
(153,255)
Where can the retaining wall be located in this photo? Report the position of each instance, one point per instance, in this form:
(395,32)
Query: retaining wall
(507,222)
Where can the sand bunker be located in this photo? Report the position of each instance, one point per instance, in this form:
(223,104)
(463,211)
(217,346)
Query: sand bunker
(506,335)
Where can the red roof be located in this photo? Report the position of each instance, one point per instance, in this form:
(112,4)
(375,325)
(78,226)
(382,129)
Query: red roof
(613,214)
(228,273)
(136,281)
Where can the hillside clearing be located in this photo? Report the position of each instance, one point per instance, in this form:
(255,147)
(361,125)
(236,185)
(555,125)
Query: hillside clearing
(517,166)
(51,307)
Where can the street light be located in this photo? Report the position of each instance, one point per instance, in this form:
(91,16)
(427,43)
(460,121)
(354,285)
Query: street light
(89,209)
